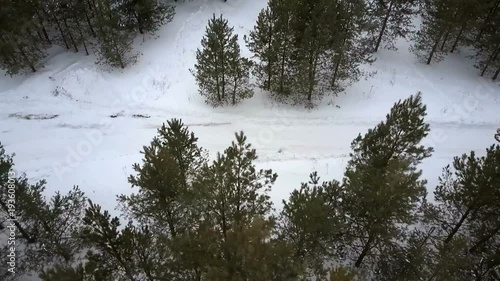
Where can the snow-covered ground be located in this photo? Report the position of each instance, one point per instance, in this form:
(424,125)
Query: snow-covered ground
(71,139)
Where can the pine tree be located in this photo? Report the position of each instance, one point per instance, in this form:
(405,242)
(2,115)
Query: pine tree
(466,213)
(487,12)
(221,73)
(164,180)
(86,9)
(436,21)
(41,21)
(271,43)
(236,213)
(488,47)
(20,47)
(47,231)
(381,186)
(260,42)
(239,68)
(306,49)
(78,24)
(408,258)
(310,43)
(310,223)
(350,46)
(164,202)
(146,16)
(112,247)
(464,20)
(54,11)
(115,41)
(393,20)
(123,253)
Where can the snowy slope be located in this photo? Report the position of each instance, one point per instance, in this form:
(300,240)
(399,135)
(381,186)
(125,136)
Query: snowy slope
(84,146)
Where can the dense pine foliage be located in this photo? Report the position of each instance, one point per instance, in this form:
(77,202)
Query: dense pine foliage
(448,25)
(107,27)
(189,218)
(308,48)
(303,50)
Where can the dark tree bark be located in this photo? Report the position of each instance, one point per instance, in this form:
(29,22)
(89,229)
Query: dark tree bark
(61,31)
(457,226)
(384,26)
(492,58)
(433,49)
(70,35)
(455,44)
(82,37)
(365,251)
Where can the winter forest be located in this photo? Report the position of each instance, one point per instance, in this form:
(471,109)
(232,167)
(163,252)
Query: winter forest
(314,47)
(199,206)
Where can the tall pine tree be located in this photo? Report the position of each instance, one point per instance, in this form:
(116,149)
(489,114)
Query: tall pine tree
(114,40)
(466,215)
(221,73)
(382,186)
(392,19)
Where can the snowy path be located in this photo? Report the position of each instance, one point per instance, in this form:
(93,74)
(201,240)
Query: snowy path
(294,149)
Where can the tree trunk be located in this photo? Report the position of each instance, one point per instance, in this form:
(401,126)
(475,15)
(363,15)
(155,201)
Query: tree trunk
(485,239)
(335,72)
(223,220)
(223,75)
(270,63)
(217,83)
(40,36)
(496,74)
(120,260)
(44,31)
(455,44)
(493,57)
(434,49)
(282,70)
(283,59)
(427,237)
(457,226)
(384,25)
(122,65)
(311,75)
(366,248)
(487,20)
(26,59)
(484,70)
(82,38)
(89,5)
(89,24)
(19,227)
(234,89)
(70,35)
(139,23)
(445,39)
(171,224)
(120,59)
(61,31)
